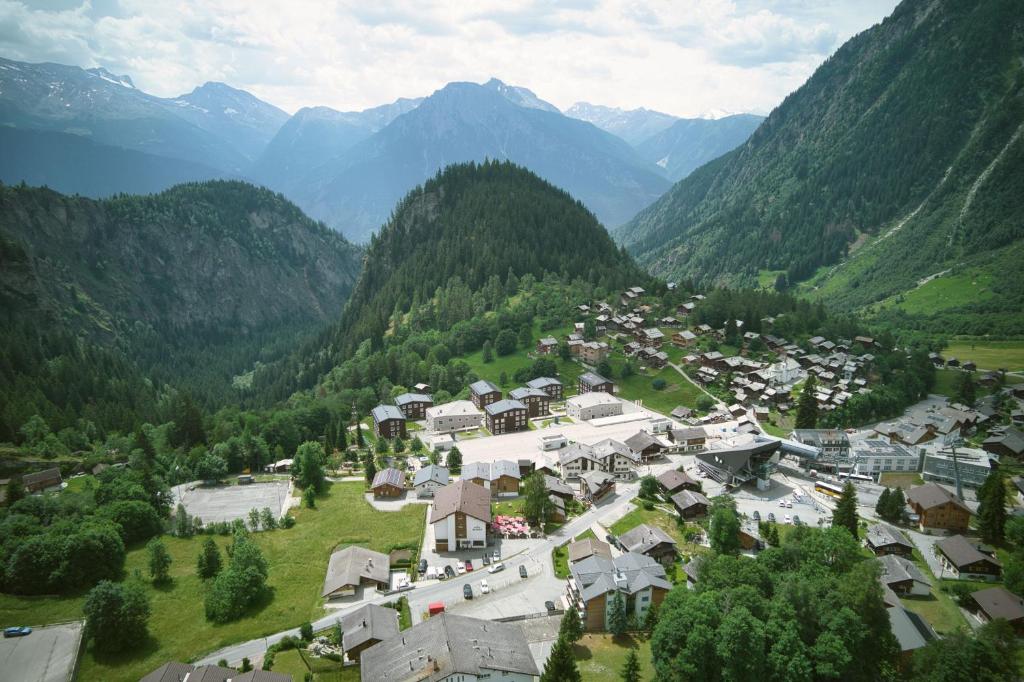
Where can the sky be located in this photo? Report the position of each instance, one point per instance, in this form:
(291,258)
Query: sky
(683,57)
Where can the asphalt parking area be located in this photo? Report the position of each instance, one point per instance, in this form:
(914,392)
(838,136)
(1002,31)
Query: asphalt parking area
(49,654)
(227,503)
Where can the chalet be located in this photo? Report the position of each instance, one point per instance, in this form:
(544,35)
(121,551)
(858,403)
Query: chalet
(557,488)
(458,415)
(651,337)
(581,550)
(685,309)
(506,416)
(653,357)
(668,321)
(938,509)
(478,473)
(966,561)
(429,479)
(902,576)
(483,393)
(578,459)
(388,482)
(451,648)
(414,405)
(556,509)
(673,481)
(40,481)
(632,348)
(998,602)
(750,538)
(173,671)
(594,582)
(538,402)
(356,566)
(650,541)
(551,386)
(596,485)
(681,412)
(460,516)
(547,345)
(365,626)
(691,504)
(704,330)
(712,359)
(616,458)
(388,422)
(684,338)
(590,382)
(911,631)
(884,540)
(505,478)
(645,446)
(969,366)
(594,352)
(1009,443)
(689,439)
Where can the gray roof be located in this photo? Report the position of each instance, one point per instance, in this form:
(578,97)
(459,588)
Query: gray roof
(575,451)
(1011,439)
(881,535)
(896,569)
(462,496)
(389,476)
(588,547)
(171,671)
(407,398)
(691,433)
(350,565)
(628,573)
(369,621)
(502,406)
(932,495)
(910,630)
(554,485)
(435,473)
(527,392)
(384,412)
(961,552)
(689,498)
(592,379)
(610,446)
(595,480)
(447,645)
(673,479)
(644,538)
(504,467)
(541,382)
(474,470)
(259,676)
(998,602)
(51,475)
(483,386)
(641,440)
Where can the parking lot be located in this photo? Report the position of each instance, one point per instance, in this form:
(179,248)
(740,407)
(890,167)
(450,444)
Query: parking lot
(49,654)
(227,503)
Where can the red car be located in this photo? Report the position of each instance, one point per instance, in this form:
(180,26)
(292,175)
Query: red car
(469,566)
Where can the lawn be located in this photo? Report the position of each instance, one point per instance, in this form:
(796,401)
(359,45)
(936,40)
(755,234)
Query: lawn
(894,479)
(560,560)
(293,663)
(600,657)
(660,519)
(588,533)
(938,609)
(513,507)
(988,354)
(297,558)
(948,291)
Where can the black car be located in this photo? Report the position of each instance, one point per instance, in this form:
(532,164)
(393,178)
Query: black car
(771,517)
(550,606)
(449,571)
(423,566)
(757,515)
(487,559)
(611,540)
(522,571)
(467,591)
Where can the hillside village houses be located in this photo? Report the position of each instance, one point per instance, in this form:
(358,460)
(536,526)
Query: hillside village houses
(550,385)
(429,479)
(353,567)
(593,583)
(502,477)
(483,393)
(537,401)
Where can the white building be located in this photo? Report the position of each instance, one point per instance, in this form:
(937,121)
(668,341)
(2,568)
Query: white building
(460,516)
(454,416)
(593,405)
(429,480)
(874,456)
(784,372)
(553,442)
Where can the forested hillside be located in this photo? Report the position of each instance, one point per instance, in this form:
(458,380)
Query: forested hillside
(902,152)
(189,287)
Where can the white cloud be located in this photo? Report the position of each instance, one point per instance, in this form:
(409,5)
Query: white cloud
(676,56)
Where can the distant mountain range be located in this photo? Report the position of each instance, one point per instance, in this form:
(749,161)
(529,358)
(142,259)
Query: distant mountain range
(346,168)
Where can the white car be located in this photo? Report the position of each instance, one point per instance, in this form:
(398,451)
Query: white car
(787,519)
(460,567)
(789,505)
(484,587)
(496,567)
(782,503)
(495,556)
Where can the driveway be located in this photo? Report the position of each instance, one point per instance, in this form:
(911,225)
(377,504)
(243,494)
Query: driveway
(926,545)
(393,504)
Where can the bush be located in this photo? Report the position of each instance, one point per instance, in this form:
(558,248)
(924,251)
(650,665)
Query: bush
(116,615)
(648,505)
(288,521)
(658,384)
(306,631)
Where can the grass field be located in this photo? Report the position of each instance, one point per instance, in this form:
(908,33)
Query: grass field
(894,479)
(948,291)
(560,560)
(660,519)
(297,558)
(988,354)
(292,663)
(600,657)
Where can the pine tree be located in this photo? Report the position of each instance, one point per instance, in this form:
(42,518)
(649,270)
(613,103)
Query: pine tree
(561,664)
(882,507)
(992,508)
(618,619)
(360,441)
(208,563)
(15,490)
(845,515)
(966,391)
(807,408)
(897,503)
(488,351)
(631,668)
(159,560)
(370,466)
(454,460)
(571,628)
(341,441)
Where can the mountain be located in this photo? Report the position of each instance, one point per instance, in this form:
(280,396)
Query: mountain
(316,135)
(632,125)
(899,159)
(521,96)
(689,143)
(469,122)
(245,122)
(478,222)
(194,283)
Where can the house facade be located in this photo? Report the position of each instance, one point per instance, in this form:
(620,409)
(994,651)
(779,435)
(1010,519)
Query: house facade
(429,479)
(388,422)
(537,401)
(965,560)
(590,382)
(483,393)
(550,385)
(460,515)
(938,509)
(594,582)
(458,415)
(597,405)
(414,405)
(506,416)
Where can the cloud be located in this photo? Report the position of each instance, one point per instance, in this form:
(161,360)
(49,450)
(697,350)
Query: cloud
(680,57)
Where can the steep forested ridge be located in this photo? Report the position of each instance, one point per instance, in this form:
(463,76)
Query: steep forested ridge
(908,135)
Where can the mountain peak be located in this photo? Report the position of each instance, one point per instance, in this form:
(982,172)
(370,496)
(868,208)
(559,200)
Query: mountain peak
(523,97)
(123,81)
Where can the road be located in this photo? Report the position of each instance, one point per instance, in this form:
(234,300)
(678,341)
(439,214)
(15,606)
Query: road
(537,560)
(686,376)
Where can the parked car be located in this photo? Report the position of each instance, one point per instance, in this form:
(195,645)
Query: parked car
(460,567)
(487,559)
(782,503)
(789,505)
(787,519)
(423,566)
(771,517)
(467,591)
(449,571)
(550,606)
(796,520)
(522,571)
(757,515)
(495,555)
(611,540)
(469,566)
(484,587)
(17,631)
(496,567)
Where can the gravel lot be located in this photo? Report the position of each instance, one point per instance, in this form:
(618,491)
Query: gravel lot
(227,503)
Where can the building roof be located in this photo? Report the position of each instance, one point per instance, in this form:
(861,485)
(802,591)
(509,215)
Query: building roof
(455,407)
(384,412)
(692,433)
(689,498)
(593,379)
(389,476)
(503,406)
(641,440)
(896,569)
(575,451)
(171,671)
(434,472)
(483,387)
(961,552)
(504,467)
(591,399)
(1012,439)
(476,470)
(931,495)
(554,485)
(628,573)
(407,398)
(674,480)
(644,538)
(448,645)
(881,535)
(588,547)
(595,480)
(527,392)
(350,565)
(462,496)
(369,621)
(998,602)
(910,630)
(46,475)
(543,382)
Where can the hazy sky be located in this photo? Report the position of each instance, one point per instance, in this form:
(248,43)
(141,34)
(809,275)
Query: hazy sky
(684,57)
